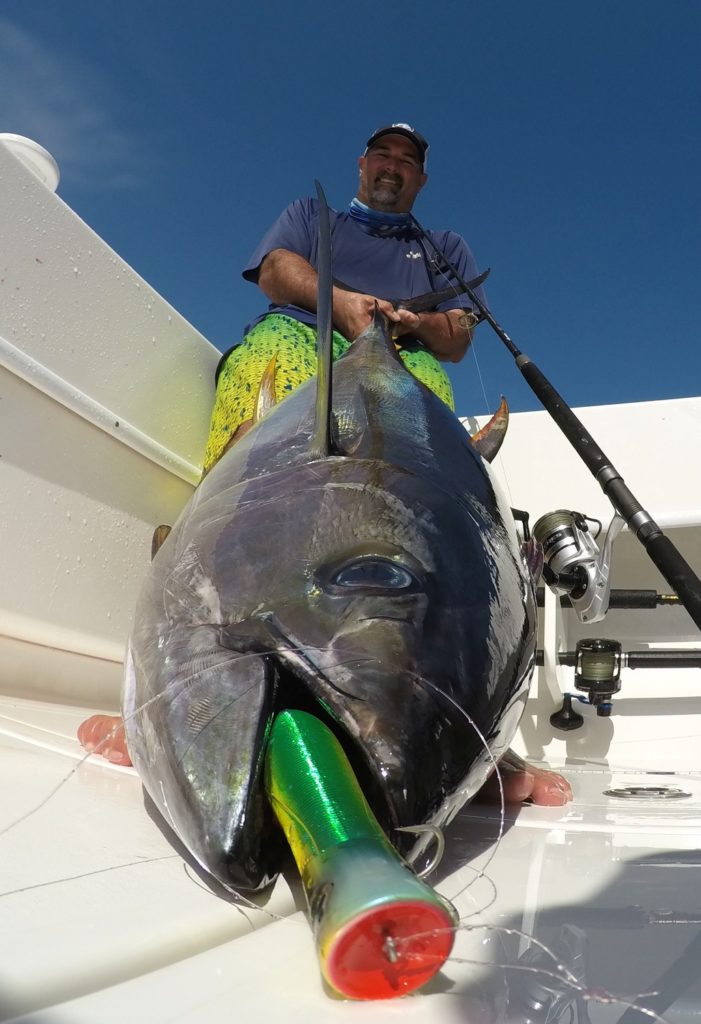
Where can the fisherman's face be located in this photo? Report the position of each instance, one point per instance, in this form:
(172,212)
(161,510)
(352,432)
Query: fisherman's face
(391,175)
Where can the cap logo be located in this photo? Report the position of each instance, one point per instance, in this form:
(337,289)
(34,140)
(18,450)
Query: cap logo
(400,124)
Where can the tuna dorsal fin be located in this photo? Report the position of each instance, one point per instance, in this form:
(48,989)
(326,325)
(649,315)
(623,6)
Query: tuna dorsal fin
(489,439)
(321,444)
(265,399)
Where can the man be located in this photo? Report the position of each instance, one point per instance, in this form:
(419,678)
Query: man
(379,253)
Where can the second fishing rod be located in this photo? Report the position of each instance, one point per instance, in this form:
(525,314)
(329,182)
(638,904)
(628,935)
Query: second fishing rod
(663,553)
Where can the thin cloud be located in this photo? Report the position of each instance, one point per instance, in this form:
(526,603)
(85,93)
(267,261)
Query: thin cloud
(65,106)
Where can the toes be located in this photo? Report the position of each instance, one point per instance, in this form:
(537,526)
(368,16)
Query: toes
(550,789)
(521,781)
(118,755)
(95,729)
(516,785)
(104,735)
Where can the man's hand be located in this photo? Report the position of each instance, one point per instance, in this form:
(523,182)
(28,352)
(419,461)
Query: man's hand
(447,335)
(408,323)
(286,277)
(353,312)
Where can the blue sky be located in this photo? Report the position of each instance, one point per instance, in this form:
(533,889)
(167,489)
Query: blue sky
(564,148)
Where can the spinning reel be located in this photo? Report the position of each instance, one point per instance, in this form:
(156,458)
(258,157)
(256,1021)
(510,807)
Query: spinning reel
(574,565)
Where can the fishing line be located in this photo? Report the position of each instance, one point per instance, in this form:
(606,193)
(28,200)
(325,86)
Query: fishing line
(290,647)
(239,899)
(560,973)
(440,269)
(192,876)
(588,995)
(241,902)
(480,872)
(662,552)
(103,743)
(88,874)
(62,782)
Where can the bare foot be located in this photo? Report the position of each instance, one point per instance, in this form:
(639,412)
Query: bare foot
(104,735)
(522,781)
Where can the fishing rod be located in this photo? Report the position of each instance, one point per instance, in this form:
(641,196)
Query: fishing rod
(673,566)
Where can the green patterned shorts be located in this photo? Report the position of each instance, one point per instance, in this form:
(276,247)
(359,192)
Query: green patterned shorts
(294,343)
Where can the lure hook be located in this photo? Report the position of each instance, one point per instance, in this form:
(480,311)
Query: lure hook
(439,838)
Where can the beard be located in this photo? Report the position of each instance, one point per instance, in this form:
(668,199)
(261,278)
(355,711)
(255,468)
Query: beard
(383,195)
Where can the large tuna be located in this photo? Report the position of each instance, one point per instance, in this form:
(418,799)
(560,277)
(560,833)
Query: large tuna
(378,584)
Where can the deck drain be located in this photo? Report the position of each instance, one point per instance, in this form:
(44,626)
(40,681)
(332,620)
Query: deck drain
(648,793)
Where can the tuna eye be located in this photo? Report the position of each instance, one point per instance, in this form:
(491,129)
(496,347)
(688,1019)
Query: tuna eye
(374,574)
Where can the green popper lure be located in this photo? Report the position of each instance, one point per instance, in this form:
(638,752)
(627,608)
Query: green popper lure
(380,931)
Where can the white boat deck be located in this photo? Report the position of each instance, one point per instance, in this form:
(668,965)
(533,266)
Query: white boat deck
(100,918)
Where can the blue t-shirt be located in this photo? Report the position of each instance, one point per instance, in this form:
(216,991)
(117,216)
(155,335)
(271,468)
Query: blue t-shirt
(387,267)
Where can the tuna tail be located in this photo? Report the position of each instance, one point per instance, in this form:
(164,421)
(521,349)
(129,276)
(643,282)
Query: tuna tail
(427,301)
(322,442)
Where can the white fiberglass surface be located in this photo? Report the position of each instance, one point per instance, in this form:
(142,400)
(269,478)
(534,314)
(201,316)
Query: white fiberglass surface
(567,914)
(91,891)
(103,920)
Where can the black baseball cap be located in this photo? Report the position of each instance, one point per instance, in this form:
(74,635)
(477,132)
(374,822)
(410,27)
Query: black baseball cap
(408,132)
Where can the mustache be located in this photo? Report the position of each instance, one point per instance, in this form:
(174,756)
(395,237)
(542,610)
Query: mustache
(383,179)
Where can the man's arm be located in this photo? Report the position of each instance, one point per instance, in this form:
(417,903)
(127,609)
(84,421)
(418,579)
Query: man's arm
(447,335)
(287,278)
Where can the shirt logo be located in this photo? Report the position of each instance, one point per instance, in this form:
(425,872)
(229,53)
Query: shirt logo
(413,255)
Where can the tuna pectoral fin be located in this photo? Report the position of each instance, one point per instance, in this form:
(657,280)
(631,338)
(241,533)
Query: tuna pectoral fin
(211,777)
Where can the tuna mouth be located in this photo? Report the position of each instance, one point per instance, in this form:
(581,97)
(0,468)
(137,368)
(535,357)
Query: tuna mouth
(294,690)
(294,694)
